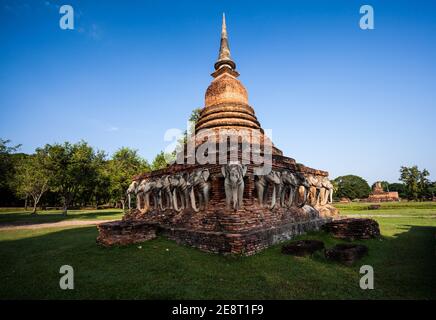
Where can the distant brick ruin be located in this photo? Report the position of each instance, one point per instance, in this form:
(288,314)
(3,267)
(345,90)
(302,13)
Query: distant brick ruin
(236,202)
(379,195)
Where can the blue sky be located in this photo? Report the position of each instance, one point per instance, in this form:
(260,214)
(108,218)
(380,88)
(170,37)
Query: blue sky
(338,98)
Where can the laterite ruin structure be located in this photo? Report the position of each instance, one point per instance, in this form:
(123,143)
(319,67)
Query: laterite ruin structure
(230,190)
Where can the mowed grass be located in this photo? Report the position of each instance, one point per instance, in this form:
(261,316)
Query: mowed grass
(20,216)
(418,209)
(404,262)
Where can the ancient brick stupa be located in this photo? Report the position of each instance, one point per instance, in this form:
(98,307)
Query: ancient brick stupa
(230,190)
(379,195)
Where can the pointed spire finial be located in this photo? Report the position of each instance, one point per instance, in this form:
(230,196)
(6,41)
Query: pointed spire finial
(224,58)
(224,28)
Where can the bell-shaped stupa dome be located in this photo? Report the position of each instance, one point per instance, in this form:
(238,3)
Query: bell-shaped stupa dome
(226,108)
(226,100)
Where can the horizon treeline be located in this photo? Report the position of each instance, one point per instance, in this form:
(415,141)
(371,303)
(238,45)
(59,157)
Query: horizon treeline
(69,175)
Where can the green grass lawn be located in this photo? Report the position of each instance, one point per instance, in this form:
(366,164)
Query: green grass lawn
(404,263)
(19,216)
(418,209)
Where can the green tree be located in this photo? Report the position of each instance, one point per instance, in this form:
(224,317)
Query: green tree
(400,188)
(193,119)
(93,182)
(161,161)
(102,184)
(6,162)
(124,165)
(352,187)
(416,182)
(32,178)
(72,169)
(195,116)
(432,190)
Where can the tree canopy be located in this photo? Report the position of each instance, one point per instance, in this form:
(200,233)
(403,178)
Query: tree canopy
(125,164)
(352,187)
(417,184)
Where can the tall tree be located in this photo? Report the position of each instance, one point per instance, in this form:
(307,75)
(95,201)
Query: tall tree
(102,184)
(6,163)
(124,165)
(32,178)
(71,167)
(416,181)
(8,160)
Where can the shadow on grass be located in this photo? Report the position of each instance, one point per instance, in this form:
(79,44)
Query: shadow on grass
(160,269)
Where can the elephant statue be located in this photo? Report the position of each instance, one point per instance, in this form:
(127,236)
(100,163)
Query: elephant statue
(315,189)
(143,193)
(132,190)
(264,182)
(198,184)
(234,184)
(157,194)
(327,191)
(179,189)
(290,183)
(303,183)
(149,187)
(167,197)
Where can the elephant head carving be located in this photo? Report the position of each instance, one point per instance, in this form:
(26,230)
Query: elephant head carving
(272,179)
(132,190)
(290,185)
(303,182)
(199,186)
(179,189)
(234,184)
(327,191)
(143,193)
(167,198)
(157,194)
(315,189)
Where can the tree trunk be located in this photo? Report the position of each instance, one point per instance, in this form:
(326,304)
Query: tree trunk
(35,203)
(34,208)
(65,207)
(25,204)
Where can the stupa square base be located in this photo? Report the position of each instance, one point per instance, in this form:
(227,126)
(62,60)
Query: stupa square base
(233,237)
(244,243)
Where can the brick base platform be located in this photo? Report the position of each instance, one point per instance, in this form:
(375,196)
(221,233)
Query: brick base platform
(245,243)
(125,232)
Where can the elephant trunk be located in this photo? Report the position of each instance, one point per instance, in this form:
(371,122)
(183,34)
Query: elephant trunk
(176,207)
(305,196)
(235,198)
(138,201)
(325,196)
(193,203)
(273,199)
